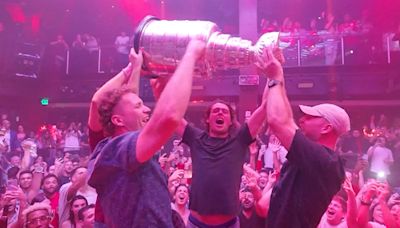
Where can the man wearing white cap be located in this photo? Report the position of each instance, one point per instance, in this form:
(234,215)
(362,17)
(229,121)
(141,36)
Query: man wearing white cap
(313,172)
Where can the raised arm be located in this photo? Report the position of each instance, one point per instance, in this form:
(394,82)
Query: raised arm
(157,87)
(257,119)
(129,77)
(365,203)
(261,200)
(181,128)
(171,105)
(351,216)
(37,176)
(26,158)
(383,196)
(75,186)
(279,112)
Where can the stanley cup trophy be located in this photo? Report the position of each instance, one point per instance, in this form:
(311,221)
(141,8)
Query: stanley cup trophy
(164,43)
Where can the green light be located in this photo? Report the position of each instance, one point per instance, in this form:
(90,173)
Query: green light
(44,101)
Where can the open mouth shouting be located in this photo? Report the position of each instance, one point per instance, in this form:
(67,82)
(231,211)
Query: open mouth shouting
(145,119)
(220,121)
(181,198)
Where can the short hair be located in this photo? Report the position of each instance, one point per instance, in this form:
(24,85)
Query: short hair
(83,210)
(342,202)
(25,172)
(107,106)
(180,185)
(49,176)
(76,169)
(75,158)
(36,207)
(231,112)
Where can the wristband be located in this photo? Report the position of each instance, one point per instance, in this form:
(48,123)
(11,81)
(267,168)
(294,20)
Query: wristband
(363,202)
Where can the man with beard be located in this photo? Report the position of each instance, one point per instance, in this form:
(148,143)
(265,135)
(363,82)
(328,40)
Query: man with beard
(218,155)
(335,214)
(248,216)
(50,186)
(131,186)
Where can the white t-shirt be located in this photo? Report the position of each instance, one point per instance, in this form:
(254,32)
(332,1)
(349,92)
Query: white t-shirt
(324,223)
(72,141)
(122,44)
(268,155)
(378,157)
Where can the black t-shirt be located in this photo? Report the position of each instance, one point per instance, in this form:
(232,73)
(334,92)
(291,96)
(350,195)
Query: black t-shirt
(309,179)
(217,167)
(254,221)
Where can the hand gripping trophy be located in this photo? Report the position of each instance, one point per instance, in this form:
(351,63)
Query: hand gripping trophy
(164,42)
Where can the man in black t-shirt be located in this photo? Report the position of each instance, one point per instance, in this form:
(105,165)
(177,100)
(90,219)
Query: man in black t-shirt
(313,172)
(218,155)
(248,216)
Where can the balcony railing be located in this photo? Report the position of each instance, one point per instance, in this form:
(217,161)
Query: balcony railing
(325,49)
(322,49)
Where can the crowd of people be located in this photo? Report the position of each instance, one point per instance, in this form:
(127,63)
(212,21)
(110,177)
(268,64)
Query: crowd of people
(84,53)
(323,35)
(317,43)
(112,173)
(319,39)
(325,21)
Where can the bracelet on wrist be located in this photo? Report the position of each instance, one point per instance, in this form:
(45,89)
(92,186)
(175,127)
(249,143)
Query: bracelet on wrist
(365,202)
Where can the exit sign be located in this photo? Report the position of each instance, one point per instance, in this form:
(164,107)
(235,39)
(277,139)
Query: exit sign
(44,101)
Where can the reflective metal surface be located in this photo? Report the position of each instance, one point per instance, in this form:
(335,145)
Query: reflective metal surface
(164,43)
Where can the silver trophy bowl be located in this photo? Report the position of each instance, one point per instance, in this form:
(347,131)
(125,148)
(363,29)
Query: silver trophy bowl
(164,42)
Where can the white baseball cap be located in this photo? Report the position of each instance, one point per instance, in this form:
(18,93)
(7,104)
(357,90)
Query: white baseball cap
(335,115)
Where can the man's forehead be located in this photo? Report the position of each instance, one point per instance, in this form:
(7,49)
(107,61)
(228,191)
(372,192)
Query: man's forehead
(220,105)
(50,179)
(131,95)
(38,213)
(132,98)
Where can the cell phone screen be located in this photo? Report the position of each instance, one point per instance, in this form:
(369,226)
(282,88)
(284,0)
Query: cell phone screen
(12,184)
